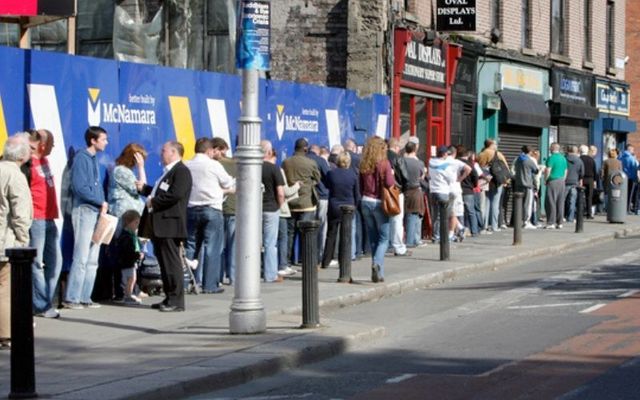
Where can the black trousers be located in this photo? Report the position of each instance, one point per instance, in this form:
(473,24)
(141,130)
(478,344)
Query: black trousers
(587,183)
(330,245)
(167,251)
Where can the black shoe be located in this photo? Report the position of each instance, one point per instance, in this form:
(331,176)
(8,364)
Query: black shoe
(166,308)
(407,253)
(214,291)
(156,306)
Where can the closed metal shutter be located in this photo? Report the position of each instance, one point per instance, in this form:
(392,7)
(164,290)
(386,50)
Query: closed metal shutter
(572,132)
(513,137)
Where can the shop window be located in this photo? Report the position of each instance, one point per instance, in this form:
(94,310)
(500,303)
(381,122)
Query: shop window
(587,30)
(526,24)
(557,27)
(611,34)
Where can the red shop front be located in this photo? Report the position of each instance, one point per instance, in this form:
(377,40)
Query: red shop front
(423,77)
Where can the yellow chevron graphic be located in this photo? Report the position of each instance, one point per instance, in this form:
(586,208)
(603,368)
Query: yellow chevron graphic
(183,125)
(3,127)
(280,109)
(94,93)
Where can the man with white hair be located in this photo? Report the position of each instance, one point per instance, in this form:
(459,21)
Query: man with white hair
(16,212)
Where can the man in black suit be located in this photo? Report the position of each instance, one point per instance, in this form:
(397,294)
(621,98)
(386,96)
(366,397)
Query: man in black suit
(164,220)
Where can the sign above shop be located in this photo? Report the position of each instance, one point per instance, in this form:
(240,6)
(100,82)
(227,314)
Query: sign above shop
(425,65)
(521,79)
(612,98)
(570,87)
(456,15)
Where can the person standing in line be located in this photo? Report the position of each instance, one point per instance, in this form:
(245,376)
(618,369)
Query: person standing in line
(359,233)
(414,208)
(575,172)
(609,167)
(487,158)
(88,203)
(290,192)
(344,189)
(588,179)
(204,214)
(468,186)
(396,227)
(45,237)
(300,168)
(375,172)
(555,174)
(228,211)
(630,168)
(272,200)
(525,170)
(16,212)
(323,195)
(164,221)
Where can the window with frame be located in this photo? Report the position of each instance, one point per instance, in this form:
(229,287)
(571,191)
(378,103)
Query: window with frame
(526,24)
(586,51)
(495,14)
(557,27)
(611,34)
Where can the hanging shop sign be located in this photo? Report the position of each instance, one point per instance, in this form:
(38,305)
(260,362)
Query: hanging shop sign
(425,65)
(456,15)
(521,79)
(612,98)
(254,35)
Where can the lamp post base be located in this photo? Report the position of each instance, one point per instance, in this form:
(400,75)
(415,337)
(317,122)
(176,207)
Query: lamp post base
(243,322)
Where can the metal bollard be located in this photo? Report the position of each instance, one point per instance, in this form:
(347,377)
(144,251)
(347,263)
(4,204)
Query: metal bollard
(517,218)
(23,374)
(344,248)
(310,300)
(580,210)
(443,207)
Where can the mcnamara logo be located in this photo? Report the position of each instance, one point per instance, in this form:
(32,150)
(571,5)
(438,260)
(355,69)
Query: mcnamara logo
(296,123)
(99,112)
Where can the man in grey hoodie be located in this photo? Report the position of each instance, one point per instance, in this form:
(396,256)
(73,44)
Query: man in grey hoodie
(575,172)
(525,169)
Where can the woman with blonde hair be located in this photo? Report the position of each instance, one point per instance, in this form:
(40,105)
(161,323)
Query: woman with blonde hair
(375,171)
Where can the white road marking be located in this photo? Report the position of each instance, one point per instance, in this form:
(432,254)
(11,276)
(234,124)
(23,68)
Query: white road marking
(583,292)
(629,293)
(578,303)
(593,308)
(400,378)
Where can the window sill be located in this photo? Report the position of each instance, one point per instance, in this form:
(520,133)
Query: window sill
(560,58)
(588,65)
(612,71)
(528,51)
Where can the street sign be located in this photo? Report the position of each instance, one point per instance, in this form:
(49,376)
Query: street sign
(456,15)
(254,35)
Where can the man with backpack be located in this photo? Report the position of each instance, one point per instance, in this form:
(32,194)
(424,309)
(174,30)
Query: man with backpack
(493,160)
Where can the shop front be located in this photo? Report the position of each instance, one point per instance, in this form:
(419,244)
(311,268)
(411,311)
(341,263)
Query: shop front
(423,77)
(464,103)
(514,109)
(572,107)
(612,126)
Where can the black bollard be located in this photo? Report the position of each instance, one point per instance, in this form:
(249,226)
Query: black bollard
(310,300)
(443,212)
(344,248)
(23,374)
(580,210)
(517,218)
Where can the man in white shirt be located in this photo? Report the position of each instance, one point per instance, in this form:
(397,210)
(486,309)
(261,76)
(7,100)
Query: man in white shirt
(204,214)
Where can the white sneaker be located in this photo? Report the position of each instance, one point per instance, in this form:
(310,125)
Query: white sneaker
(559,226)
(334,263)
(550,226)
(193,264)
(529,225)
(291,271)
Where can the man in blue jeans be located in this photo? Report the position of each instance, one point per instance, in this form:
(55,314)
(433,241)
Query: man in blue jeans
(205,223)
(272,199)
(88,203)
(44,235)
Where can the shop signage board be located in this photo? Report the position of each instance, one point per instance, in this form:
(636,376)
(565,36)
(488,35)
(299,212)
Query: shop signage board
(572,88)
(612,98)
(456,15)
(426,65)
(522,79)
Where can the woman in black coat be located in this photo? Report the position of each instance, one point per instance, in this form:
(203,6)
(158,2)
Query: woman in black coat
(343,186)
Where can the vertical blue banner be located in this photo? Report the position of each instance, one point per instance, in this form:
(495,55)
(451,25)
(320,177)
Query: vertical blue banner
(254,39)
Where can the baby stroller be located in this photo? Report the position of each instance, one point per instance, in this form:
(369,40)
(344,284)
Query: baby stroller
(188,266)
(149,276)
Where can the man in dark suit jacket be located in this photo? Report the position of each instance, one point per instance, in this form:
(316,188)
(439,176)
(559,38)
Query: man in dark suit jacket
(164,221)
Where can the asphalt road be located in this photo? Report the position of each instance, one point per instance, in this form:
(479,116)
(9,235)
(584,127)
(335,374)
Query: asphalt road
(559,327)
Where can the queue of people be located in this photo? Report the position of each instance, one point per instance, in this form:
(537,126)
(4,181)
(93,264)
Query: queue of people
(188,214)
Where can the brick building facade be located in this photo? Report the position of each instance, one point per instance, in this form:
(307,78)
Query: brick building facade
(633,64)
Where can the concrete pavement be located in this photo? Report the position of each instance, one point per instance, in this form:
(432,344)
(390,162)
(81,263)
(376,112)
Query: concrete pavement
(119,352)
